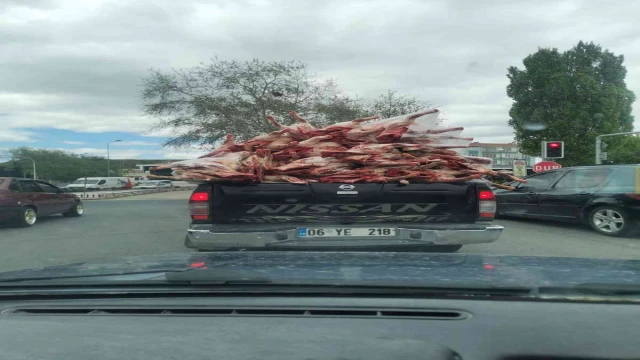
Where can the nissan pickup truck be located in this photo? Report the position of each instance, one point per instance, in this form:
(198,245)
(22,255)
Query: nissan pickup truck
(434,217)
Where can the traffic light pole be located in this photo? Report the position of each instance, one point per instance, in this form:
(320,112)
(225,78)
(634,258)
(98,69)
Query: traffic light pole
(599,144)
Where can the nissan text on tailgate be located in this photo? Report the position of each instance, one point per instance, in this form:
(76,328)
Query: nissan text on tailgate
(439,217)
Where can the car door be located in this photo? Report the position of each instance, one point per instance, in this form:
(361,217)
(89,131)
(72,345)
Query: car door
(523,201)
(46,203)
(62,202)
(565,199)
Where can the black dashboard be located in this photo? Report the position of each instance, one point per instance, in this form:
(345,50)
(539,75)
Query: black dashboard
(318,328)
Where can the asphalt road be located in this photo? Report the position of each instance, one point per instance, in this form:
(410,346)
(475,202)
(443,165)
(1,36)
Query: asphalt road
(156,223)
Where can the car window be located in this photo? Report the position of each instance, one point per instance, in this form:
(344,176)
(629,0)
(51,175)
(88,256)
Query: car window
(29,187)
(624,180)
(13,186)
(583,179)
(48,188)
(102,182)
(540,181)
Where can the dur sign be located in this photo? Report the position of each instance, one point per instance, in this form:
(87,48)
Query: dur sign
(545,166)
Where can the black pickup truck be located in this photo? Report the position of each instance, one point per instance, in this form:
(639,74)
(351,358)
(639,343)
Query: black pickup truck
(439,217)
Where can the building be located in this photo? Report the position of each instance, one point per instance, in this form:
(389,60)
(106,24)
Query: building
(502,154)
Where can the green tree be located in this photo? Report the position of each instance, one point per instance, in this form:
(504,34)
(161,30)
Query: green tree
(571,96)
(200,105)
(622,149)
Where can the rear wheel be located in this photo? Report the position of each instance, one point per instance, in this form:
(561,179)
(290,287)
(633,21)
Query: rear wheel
(76,210)
(28,217)
(610,221)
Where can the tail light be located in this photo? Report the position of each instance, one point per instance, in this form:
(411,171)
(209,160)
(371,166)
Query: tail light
(633,196)
(199,206)
(486,204)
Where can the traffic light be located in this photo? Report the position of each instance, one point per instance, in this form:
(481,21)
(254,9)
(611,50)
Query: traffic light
(553,150)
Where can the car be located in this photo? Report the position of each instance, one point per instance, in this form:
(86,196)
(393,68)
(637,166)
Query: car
(23,201)
(98,183)
(606,197)
(154,184)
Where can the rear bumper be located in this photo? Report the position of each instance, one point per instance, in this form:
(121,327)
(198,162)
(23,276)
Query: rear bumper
(204,237)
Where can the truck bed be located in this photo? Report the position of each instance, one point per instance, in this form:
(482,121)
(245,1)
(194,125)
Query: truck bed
(351,204)
(337,215)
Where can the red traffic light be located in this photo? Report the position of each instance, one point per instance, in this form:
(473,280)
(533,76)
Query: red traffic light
(553,149)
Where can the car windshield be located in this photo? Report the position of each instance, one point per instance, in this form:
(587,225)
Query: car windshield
(455,133)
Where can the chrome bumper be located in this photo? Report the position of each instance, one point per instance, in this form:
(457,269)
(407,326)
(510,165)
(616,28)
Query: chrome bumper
(209,239)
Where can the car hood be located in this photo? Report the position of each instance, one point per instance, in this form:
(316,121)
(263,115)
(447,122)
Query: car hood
(344,267)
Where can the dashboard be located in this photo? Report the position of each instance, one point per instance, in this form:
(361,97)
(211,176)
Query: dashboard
(306,328)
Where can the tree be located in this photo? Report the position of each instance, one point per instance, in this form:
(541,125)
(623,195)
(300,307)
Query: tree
(390,105)
(623,149)
(571,96)
(62,166)
(200,105)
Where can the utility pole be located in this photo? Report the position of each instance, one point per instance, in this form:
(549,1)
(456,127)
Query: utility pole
(599,144)
(34,166)
(108,158)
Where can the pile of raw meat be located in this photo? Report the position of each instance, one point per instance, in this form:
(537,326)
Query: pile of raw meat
(408,148)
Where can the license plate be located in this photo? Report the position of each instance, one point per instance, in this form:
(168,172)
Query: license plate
(345,232)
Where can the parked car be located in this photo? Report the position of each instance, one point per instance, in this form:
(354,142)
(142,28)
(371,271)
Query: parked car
(154,184)
(98,183)
(22,201)
(606,197)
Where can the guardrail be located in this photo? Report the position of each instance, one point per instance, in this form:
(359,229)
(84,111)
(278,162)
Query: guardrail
(97,195)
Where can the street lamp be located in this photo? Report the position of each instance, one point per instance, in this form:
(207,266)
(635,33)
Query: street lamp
(34,165)
(108,165)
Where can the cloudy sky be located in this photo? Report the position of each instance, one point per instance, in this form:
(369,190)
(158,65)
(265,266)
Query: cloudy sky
(70,70)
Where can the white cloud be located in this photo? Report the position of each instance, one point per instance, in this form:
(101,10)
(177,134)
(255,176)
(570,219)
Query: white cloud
(13,135)
(136,143)
(77,66)
(70,142)
(116,154)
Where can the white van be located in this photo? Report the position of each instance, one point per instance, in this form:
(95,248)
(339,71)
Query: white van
(98,183)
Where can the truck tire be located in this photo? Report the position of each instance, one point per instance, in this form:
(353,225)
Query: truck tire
(28,217)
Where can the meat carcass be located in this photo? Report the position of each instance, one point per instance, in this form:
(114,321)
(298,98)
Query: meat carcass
(306,163)
(227,146)
(302,130)
(402,149)
(273,142)
(393,130)
(347,125)
(283,178)
(308,148)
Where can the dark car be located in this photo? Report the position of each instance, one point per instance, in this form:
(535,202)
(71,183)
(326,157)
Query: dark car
(22,201)
(607,197)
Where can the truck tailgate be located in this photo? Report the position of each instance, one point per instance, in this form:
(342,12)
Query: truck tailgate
(343,204)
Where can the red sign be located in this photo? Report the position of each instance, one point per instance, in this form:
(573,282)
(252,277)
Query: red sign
(545,166)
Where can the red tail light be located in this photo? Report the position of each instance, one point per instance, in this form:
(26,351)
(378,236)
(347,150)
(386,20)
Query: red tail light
(486,204)
(633,196)
(199,196)
(199,206)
